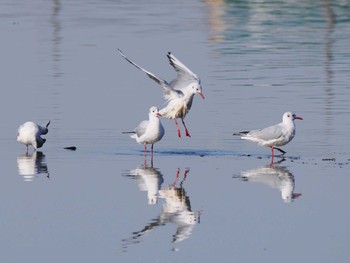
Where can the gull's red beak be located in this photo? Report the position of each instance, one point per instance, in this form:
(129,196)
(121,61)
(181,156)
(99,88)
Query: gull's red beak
(158,114)
(298,118)
(201,94)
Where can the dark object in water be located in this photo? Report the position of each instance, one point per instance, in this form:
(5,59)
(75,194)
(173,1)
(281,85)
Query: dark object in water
(71,148)
(329,159)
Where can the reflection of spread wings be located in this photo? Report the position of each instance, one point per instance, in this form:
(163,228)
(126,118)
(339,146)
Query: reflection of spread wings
(138,234)
(175,209)
(178,212)
(185,221)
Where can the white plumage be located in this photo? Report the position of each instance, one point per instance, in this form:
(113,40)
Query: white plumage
(149,131)
(178,92)
(276,135)
(29,133)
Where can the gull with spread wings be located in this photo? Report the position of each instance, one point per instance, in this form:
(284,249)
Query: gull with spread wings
(179,92)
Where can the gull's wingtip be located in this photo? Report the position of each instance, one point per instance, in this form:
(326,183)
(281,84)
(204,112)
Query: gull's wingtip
(242,133)
(121,52)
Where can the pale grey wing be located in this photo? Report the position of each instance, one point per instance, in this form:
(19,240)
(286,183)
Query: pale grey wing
(184,75)
(141,128)
(167,89)
(270,133)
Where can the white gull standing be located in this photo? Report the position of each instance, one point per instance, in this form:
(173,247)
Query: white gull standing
(149,131)
(178,92)
(276,135)
(29,133)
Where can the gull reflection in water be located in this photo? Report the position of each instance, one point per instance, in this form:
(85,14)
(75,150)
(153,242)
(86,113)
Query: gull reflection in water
(30,165)
(278,177)
(176,209)
(150,180)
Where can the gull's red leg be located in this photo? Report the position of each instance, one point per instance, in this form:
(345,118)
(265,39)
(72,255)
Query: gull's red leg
(177,176)
(187,133)
(178,129)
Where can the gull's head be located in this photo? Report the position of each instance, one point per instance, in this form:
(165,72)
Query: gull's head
(46,129)
(196,87)
(290,116)
(153,111)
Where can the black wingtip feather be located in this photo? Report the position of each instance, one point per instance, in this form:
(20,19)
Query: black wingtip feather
(241,133)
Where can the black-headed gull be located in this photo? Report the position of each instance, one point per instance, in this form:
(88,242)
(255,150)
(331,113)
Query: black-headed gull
(29,133)
(276,135)
(149,131)
(178,92)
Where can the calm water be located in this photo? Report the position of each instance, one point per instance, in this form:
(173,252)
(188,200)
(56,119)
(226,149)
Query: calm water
(209,197)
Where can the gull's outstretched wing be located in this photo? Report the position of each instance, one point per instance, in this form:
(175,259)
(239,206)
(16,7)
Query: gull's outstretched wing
(184,75)
(169,92)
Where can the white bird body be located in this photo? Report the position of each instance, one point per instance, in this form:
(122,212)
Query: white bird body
(178,92)
(149,131)
(275,135)
(29,133)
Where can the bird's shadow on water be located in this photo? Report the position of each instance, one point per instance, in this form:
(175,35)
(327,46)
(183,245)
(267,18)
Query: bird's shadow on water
(221,153)
(183,152)
(206,153)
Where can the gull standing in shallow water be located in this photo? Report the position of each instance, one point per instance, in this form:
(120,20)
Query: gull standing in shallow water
(149,131)
(29,133)
(178,92)
(276,135)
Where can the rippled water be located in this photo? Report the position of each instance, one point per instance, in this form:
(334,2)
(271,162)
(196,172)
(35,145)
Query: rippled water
(205,198)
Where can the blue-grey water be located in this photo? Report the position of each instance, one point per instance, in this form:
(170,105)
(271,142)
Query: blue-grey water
(211,197)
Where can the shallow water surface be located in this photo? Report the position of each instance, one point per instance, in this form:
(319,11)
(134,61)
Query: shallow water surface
(205,198)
